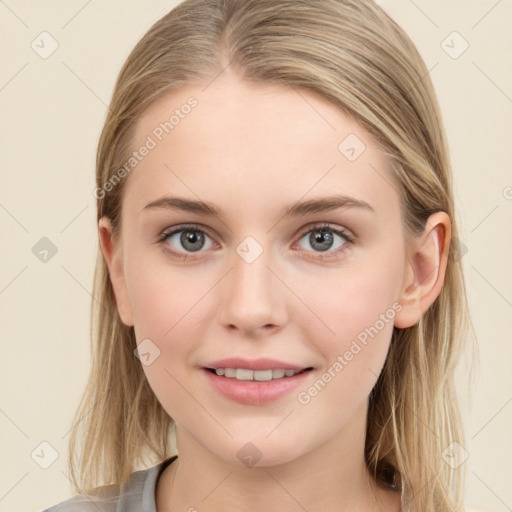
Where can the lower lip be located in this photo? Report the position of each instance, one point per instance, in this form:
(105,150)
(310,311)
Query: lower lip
(253,392)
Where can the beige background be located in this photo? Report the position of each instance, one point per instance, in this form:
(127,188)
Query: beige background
(52,112)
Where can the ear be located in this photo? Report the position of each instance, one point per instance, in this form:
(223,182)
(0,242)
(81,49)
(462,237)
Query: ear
(113,257)
(426,266)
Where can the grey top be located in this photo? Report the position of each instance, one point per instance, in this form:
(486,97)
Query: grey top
(136,495)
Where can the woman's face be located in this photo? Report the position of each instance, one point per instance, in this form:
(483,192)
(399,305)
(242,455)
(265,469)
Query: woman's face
(256,282)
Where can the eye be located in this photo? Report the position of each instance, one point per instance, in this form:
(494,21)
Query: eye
(185,240)
(324,238)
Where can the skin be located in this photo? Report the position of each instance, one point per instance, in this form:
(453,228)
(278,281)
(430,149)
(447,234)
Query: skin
(253,150)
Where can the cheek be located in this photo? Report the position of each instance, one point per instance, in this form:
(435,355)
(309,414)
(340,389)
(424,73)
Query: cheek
(353,321)
(343,303)
(170,308)
(163,296)
(348,320)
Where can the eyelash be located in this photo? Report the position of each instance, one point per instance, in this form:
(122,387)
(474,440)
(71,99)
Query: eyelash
(316,227)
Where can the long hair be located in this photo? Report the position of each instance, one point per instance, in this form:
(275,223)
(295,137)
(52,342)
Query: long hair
(355,55)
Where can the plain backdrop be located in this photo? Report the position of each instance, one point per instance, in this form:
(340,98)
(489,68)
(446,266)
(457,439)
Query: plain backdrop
(52,110)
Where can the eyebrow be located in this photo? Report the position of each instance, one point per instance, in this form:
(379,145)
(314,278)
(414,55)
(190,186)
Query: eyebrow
(319,205)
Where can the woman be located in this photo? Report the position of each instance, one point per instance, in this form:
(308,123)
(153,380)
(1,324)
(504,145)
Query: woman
(277,282)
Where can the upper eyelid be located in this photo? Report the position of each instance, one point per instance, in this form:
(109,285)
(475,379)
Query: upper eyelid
(185,227)
(193,227)
(326,225)
(345,233)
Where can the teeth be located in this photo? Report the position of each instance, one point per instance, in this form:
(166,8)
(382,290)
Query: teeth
(260,375)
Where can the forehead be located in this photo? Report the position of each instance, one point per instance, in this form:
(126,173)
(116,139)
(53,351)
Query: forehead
(230,139)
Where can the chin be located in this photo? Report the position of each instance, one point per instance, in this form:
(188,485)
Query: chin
(260,453)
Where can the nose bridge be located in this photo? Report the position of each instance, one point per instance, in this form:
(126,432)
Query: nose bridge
(252,297)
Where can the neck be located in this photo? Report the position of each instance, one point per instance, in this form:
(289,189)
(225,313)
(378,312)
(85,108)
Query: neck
(330,477)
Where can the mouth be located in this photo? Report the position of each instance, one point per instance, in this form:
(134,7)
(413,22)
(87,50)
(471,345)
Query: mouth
(243,374)
(256,387)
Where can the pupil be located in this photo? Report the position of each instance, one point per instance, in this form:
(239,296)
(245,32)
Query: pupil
(192,240)
(322,240)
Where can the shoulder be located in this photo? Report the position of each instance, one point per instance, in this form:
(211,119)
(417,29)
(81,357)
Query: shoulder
(135,495)
(84,503)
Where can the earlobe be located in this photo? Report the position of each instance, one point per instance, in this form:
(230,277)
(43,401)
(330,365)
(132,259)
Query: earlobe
(425,270)
(112,255)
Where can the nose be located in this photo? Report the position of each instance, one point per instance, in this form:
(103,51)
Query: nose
(252,299)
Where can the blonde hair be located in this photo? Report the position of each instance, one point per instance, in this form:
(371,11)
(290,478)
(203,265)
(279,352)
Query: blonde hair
(352,53)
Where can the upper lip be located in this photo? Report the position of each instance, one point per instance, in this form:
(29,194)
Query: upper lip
(263,363)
